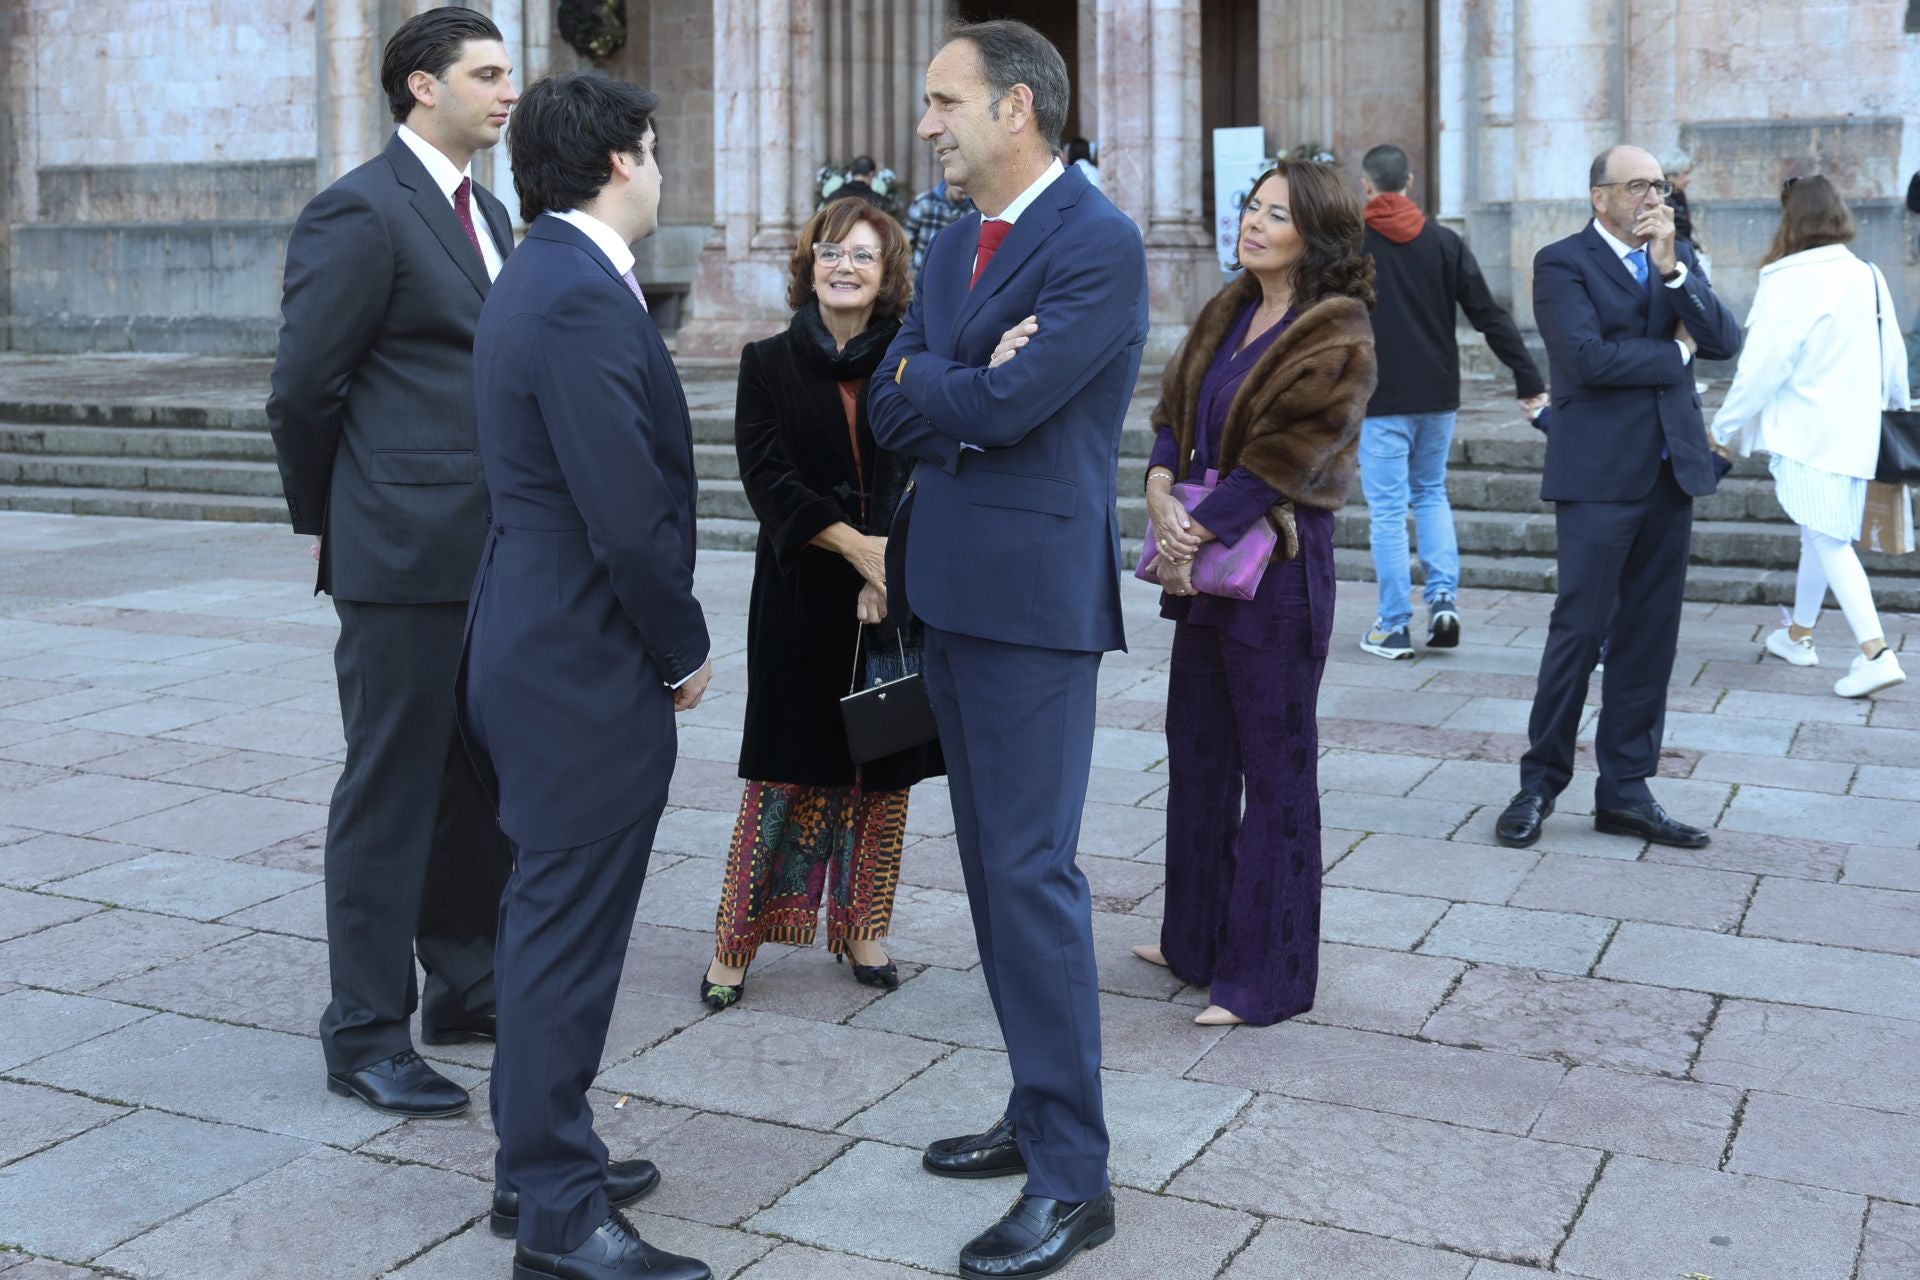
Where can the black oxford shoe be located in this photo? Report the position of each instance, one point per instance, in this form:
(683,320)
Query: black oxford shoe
(614,1252)
(1037,1238)
(993,1154)
(1519,824)
(403,1085)
(477,1028)
(1649,821)
(627,1181)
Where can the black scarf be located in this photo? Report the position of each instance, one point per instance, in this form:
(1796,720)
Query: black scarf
(859,358)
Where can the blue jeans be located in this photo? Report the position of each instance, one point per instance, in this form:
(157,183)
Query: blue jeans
(1403,463)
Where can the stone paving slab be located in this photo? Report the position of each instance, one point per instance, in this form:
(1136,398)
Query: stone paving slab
(1822,1144)
(1287,1250)
(1815,1053)
(81,1198)
(1646,1218)
(39,1118)
(1891,1250)
(1787,972)
(1640,1115)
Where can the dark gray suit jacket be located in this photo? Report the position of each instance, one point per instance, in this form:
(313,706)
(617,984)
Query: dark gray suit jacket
(372,405)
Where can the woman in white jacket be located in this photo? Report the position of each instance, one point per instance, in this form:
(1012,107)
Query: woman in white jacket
(1813,378)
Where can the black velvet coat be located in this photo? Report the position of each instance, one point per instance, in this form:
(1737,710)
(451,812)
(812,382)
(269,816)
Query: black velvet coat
(797,463)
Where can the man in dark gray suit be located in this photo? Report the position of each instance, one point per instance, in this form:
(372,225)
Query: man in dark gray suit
(372,415)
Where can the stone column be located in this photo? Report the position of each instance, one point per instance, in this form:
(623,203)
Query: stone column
(350,117)
(1148,69)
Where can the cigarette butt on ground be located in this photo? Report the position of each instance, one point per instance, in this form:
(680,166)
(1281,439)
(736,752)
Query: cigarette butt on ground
(621,1103)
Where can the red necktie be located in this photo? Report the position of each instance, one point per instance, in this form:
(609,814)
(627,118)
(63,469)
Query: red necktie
(463,210)
(992,232)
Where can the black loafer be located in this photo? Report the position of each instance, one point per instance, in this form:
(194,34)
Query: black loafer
(627,1181)
(613,1252)
(480,1028)
(1519,824)
(1650,822)
(403,1085)
(993,1154)
(1037,1238)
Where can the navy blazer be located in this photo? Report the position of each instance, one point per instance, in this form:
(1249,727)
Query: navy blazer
(1019,543)
(1621,390)
(583,609)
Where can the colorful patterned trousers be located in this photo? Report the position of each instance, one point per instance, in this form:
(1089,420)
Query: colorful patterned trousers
(794,844)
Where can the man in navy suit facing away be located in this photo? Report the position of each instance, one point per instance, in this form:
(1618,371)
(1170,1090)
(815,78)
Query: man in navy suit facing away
(1009,382)
(1624,309)
(583,640)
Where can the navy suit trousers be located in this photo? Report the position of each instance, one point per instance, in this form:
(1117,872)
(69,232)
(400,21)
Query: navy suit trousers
(564,924)
(1623,575)
(1016,727)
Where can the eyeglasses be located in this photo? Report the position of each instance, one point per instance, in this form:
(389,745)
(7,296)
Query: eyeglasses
(864,259)
(1640,186)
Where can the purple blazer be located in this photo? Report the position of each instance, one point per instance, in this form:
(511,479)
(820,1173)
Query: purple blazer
(1301,588)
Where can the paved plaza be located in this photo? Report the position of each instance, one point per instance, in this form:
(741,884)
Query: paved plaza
(1590,1058)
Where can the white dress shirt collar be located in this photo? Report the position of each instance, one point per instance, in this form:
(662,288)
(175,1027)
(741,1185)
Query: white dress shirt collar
(1620,247)
(1020,202)
(604,238)
(439,168)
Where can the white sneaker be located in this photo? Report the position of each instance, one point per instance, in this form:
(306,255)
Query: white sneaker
(1782,645)
(1870,675)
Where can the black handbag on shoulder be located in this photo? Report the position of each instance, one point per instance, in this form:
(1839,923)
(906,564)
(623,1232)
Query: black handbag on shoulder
(1899,461)
(889,717)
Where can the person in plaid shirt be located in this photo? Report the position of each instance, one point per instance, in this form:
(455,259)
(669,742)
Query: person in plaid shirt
(930,211)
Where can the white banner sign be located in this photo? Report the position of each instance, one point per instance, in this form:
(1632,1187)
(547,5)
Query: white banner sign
(1239,156)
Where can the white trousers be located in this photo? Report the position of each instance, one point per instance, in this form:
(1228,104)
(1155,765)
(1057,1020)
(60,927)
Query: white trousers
(1829,562)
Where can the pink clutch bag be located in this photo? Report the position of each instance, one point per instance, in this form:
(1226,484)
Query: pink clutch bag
(1219,570)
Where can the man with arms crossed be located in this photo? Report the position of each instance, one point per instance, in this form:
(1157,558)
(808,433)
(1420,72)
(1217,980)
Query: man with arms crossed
(583,640)
(372,418)
(1009,381)
(1624,311)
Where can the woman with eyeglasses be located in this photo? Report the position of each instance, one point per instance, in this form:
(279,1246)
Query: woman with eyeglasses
(1824,356)
(812,823)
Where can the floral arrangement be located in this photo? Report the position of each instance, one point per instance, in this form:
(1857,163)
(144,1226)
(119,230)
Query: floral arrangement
(1312,151)
(830,178)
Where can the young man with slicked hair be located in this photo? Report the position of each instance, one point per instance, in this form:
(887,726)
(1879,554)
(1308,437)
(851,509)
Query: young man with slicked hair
(373,421)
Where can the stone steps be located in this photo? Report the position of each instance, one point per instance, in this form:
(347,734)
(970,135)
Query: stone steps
(153,504)
(221,477)
(195,443)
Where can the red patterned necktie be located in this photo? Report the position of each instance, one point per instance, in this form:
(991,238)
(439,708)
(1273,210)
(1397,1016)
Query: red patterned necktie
(992,232)
(463,210)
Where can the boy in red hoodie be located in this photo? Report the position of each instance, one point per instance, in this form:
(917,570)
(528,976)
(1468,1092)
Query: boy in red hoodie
(1422,272)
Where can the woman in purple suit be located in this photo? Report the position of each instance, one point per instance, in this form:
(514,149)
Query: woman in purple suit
(1268,390)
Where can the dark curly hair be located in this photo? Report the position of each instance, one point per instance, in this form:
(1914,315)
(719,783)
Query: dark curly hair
(832,223)
(1327,215)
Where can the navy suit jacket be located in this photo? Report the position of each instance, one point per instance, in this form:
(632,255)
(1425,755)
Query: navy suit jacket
(1019,543)
(583,611)
(1621,390)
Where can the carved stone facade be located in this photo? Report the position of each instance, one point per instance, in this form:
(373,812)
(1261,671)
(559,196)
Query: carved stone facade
(154,152)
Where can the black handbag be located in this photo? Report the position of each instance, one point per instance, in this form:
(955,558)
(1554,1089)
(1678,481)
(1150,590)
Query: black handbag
(891,716)
(1899,461)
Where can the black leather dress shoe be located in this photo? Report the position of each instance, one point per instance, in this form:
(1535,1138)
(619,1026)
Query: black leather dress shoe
(614,1252)
(1519,824)
(1650,822)
(1037,1238)
(403,1085)
(627,1181)
(480,1028)
(993,1154)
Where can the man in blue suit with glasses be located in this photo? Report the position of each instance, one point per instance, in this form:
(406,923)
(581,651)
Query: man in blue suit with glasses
(1009,381)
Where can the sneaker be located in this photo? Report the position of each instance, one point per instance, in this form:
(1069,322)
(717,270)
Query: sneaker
(1443,623)
(1782,645)
(1870,675)
(1387,644)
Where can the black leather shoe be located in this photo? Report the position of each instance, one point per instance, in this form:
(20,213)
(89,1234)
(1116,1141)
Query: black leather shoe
(1650,822)
(1519,824)
(614,1252)
(627,1181)
(1037,1238)
(885,976)
(403,1085)
(993,1154)
(480,1028)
